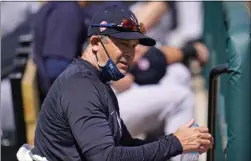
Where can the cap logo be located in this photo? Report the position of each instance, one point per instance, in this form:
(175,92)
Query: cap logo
(102,28)
(133,19)
(143,64)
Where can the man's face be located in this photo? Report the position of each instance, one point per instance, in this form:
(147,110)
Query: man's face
(121,52)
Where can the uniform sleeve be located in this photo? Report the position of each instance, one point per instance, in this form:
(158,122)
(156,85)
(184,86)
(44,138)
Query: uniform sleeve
(88,122)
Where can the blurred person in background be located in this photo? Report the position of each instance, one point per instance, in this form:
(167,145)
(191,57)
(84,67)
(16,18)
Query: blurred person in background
(173,23)
(146,103)
(60,29)
(60,34)
(157,59)
(152,91)
(95,6)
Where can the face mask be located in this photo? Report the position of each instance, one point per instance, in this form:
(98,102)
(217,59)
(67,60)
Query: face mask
(110,70)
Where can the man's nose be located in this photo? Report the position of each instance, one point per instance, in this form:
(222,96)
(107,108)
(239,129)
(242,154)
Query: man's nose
(129,56)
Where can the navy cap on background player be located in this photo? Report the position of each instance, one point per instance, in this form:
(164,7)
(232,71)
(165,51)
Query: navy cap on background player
(151,68)
(120,23)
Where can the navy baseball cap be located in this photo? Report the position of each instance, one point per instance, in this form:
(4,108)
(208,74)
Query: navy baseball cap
(118,22)
(151,68)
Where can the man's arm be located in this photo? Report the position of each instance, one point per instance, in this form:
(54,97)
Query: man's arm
(90,128)
(144,13)
(196,50)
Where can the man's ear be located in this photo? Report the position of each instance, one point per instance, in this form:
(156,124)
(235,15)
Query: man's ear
(94,40)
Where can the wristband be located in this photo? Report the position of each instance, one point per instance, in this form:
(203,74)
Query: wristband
(188,52)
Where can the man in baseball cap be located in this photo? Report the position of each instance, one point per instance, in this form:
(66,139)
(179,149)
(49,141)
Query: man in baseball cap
(119,23)
(80,120)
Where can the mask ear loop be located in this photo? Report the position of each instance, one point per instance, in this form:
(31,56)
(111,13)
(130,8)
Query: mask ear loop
(98,61)
(105,49)
(105,53)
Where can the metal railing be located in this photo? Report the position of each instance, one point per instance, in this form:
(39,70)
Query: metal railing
(213,103)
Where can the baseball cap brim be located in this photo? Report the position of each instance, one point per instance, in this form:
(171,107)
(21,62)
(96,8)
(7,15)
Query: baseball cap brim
(143,40)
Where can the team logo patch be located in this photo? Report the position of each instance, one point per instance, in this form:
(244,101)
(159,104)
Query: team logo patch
(143,64)
(133,18)
(102,28)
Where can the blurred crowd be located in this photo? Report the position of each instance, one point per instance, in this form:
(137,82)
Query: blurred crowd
(157,94)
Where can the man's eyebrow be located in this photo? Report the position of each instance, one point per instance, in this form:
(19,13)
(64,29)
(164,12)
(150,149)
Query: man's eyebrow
(124,41)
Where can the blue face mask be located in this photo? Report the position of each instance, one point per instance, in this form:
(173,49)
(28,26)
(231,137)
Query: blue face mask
(110,70)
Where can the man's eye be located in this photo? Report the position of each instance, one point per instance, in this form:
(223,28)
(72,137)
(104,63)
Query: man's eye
(134,45)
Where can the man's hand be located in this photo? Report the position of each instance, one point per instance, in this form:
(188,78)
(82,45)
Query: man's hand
(194,138)
(202,52)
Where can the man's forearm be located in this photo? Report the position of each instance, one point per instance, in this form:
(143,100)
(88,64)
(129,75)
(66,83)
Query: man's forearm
(173,55)
(145,13)
(160,150)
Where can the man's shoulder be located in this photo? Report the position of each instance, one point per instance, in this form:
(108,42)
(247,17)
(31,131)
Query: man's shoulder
(77,74)
(80,85)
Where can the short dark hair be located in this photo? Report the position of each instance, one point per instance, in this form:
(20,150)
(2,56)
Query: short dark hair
(103,37)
